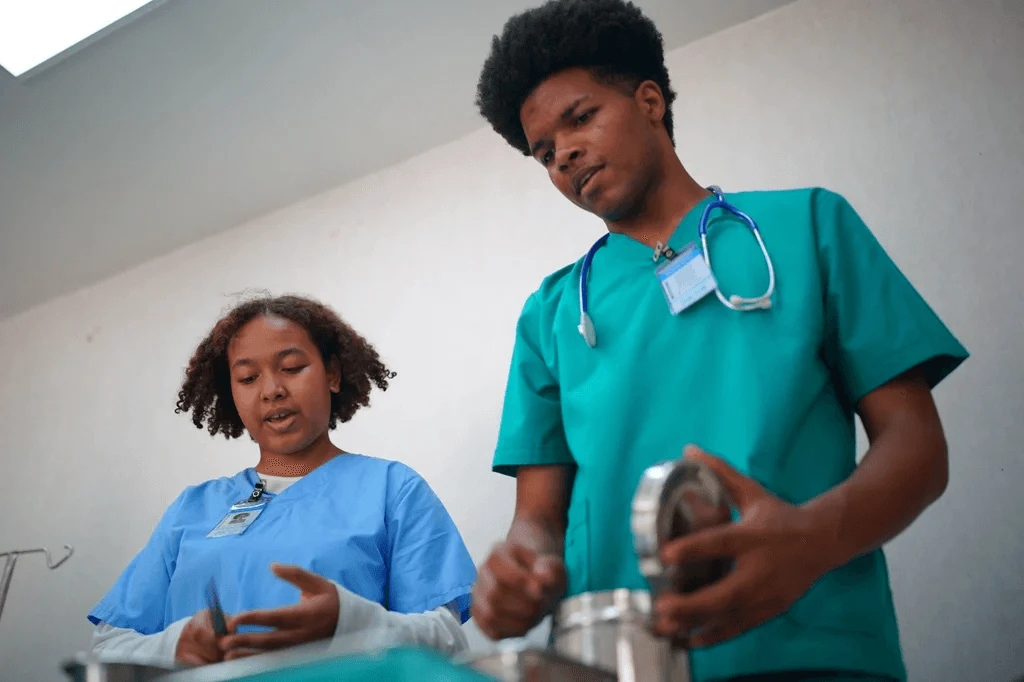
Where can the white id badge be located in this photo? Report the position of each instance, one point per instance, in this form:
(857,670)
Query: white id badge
(237,520)
(685,279)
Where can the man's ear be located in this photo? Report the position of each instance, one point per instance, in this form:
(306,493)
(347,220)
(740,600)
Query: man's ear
(651,101)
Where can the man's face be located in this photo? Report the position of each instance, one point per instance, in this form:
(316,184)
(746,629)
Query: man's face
(597,141)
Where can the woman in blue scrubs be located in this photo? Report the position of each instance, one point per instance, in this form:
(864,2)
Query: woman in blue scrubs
(311,543)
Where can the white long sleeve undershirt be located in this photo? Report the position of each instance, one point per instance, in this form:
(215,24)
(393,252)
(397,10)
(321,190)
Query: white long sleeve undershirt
(439,629)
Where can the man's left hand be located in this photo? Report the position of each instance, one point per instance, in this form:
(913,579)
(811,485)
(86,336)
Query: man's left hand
(779,551)
(314,618)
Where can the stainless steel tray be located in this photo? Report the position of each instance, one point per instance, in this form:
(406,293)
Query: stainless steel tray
(318,662)
(529,664)
(83,670)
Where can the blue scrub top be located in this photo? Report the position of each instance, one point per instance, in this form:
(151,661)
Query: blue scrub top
(371,525)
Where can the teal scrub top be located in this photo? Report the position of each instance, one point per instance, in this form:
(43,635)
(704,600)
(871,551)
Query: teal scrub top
(772,392)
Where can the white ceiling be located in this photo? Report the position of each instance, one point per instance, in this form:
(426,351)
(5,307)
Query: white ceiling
(200,115)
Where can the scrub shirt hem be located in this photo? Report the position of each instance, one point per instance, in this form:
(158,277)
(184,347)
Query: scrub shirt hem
(112,619)
(818,651)
(459,593)
(936,363)
(508,460)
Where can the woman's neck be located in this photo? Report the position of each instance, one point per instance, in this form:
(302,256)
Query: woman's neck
(298,463)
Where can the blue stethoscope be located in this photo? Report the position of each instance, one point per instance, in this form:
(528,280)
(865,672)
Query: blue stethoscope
(734,302)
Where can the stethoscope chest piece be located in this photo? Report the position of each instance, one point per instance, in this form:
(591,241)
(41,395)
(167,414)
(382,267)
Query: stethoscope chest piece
(587,331)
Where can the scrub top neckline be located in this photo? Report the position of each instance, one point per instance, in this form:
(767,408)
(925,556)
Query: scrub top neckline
(627,248)
(306,485)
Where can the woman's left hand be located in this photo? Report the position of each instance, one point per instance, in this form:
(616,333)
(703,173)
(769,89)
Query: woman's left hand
(779,551)
(314,618)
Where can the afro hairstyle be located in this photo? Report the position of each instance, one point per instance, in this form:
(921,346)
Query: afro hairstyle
(612,38)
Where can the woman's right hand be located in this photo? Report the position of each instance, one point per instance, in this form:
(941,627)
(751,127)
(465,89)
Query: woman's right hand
(515,589)
(198,644)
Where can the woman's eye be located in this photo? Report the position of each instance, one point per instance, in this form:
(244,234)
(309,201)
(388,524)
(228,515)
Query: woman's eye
(246,380)
(294,370)
(583,118)
(548,156)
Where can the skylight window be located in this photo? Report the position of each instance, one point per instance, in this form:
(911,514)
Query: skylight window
(34,31)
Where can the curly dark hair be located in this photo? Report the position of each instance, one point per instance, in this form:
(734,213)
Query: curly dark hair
(206,391)
(612,38)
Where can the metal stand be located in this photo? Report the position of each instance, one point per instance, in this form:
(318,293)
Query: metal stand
(12,559)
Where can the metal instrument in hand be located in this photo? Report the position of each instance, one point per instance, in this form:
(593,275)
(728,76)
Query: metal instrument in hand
(220,624)
(12,559)
(675,499)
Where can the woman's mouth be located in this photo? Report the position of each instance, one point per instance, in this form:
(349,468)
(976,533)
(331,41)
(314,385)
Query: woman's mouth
(280,419)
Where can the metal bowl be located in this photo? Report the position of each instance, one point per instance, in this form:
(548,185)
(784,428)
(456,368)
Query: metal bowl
(609,631)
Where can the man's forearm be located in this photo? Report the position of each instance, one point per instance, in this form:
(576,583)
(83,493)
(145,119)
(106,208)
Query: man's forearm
(540,535)
(903,472)
(542,504)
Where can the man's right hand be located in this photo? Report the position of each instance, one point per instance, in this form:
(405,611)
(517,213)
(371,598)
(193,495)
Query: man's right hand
(197,644)
(515,589)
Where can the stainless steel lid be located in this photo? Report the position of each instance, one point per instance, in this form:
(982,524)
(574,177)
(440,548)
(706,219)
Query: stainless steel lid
(675,499)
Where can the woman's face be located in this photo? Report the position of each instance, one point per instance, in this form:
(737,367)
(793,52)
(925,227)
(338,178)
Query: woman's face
(280,386)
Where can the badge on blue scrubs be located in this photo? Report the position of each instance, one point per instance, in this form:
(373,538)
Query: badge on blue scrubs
(242,514)
(685,279)
(240,517)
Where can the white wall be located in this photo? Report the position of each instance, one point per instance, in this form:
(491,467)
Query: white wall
(912,109)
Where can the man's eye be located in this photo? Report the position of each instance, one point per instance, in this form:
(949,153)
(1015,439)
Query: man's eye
(548,156)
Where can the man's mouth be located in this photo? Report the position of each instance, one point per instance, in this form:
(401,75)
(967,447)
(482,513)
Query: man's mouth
(580,181)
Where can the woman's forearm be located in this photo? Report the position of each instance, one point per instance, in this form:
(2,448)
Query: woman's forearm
(111,643)
(363,624)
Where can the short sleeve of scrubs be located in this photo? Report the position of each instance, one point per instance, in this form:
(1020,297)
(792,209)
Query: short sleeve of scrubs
(531,430)
(877,325)
(429,564)
(138,597)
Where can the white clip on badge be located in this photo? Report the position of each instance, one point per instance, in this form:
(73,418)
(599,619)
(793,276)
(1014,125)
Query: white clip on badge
(685,279)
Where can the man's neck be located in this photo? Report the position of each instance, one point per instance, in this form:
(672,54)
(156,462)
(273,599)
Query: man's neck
(666,204)
(298,463)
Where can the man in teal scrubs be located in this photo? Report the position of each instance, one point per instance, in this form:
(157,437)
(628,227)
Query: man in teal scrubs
(581,87)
